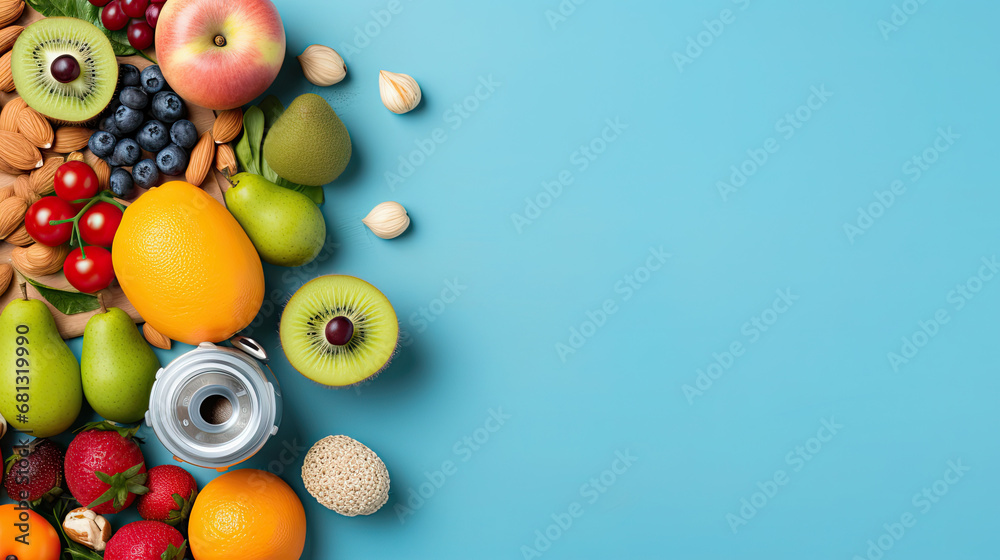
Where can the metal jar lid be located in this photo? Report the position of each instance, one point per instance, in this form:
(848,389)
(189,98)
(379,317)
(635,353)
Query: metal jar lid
(214,406)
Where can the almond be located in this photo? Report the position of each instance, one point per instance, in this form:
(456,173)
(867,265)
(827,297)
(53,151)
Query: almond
(201,160)
(6,192)
(228,126)
(20,237)
(10,11)
(70,139)
(103,171)
(225,160)
(23,190)
(12,212)
(8,35)
(35,128)
(75,156)
(8,116)
(42,179)
(8,169)
(6,275)
(155,338)
(39,260)
(6,76)
(18,152)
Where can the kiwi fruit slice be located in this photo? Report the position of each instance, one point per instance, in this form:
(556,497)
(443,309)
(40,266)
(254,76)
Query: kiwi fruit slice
(339,330)
(65,69)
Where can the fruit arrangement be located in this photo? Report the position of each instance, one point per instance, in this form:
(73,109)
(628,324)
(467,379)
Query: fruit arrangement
(97,146)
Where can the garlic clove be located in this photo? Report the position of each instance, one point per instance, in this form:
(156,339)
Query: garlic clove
(400,92)
(387,220)
(322,65)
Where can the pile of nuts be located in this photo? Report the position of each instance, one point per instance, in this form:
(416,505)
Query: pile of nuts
(10,11)
(24,133)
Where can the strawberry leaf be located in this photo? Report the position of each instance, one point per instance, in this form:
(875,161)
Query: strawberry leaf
(127,432)
(174,553)
(183,510)
(120,485)
(10,461)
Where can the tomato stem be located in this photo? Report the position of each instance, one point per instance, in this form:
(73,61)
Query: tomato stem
(75,239)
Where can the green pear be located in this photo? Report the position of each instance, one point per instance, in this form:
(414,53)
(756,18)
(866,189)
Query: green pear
(40,390)
(285,226)
(119,367)
(308,144)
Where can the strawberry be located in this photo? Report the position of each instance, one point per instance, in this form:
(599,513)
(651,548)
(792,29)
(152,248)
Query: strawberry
(171,492)
(34,472)
(146,540)
(105,468)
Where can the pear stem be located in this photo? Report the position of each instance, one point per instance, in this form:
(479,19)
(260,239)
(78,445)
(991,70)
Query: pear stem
(100,300)
(24,290)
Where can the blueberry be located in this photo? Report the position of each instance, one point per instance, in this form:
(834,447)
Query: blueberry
(153,136)
(145,173)
(121,183)
(108,125)
(152,79)
(167,107)
(127,119)
(128,75)
(113,106)
(134,97)
(184,134)
(127,152)
(172,160)
(102,143)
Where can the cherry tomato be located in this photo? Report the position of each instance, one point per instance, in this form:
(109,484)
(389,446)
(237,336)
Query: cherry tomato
(75,180)
(91,274)
(99,224)
(134,8)
(48,209)
(140,34)
(113,17)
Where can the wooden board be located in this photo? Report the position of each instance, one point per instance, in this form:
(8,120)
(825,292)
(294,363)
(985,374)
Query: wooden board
(71,326)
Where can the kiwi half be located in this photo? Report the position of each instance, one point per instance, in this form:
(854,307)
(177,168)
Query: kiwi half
(45,50)
(339,330)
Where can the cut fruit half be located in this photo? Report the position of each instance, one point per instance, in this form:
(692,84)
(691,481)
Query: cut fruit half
(339,330)
(65,69)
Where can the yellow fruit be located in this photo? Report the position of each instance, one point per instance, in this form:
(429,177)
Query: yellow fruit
(247,514)
(187,266)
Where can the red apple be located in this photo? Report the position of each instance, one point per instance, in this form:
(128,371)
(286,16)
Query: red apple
(220,54)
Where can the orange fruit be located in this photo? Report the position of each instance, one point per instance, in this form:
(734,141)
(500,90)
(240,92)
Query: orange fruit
(247,514)
(26,535)
(186,265)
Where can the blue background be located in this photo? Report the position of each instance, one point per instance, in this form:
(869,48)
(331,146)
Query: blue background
(629,388)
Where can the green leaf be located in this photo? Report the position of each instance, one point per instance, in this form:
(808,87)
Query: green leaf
(315,193)
(54,7)
(245,156)
(272,109)
(174,553)
(253,127)
(127,432)
(67,302)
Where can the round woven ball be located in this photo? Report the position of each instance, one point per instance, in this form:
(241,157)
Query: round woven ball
(345,476)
